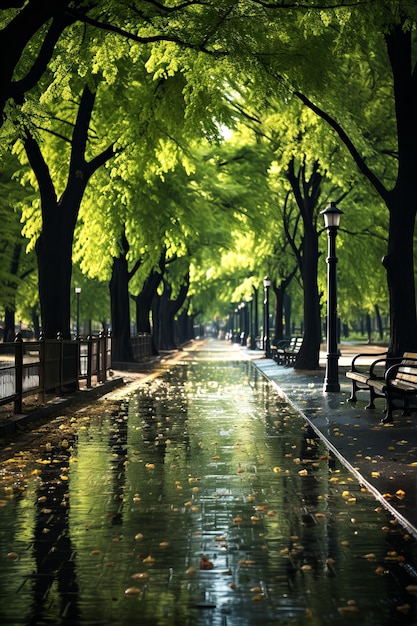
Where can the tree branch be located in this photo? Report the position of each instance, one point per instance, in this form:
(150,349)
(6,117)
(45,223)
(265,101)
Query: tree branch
(20,87)
(343,136)
(318,7)
(42,173)
(139,39)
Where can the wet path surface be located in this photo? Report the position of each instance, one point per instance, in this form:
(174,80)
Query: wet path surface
(202,498)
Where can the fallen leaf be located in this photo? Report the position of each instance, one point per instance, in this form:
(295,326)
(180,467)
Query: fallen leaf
(205,564)
(133,591)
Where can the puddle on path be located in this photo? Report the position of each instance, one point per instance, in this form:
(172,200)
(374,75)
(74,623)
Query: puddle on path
(201,499)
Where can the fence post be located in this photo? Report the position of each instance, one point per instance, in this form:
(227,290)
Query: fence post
(102,356)
(89,359)
(42,368)
(18,362)
(109,345)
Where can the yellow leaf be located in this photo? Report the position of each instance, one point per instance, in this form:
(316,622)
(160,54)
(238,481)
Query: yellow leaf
(132,591)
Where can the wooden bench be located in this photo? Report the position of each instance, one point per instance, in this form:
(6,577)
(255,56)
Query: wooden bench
(399,383)
(286,350)
(361,372)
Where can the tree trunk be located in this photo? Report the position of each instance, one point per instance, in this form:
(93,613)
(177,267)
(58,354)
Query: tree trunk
(287,315)
(185,327)
(279,312)
(308,356)
(54,254)
(399,262)
(59,217)
(143,303)
(306,189)
(399,265)
(379,322)
(166,322)
(156,324)
(167,309)
(35,322)
(280,298)
(9,324)
(120,314)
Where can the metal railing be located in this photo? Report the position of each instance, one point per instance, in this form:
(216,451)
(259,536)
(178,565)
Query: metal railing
(95,358)
(141,346)
(50,366)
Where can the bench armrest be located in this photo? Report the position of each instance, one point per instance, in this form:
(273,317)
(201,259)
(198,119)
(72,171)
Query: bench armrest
(387,361)
(364,354)
(391,372)
(282,343)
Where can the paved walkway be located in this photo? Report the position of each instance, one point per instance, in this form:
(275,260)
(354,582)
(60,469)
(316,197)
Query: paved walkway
(382,457)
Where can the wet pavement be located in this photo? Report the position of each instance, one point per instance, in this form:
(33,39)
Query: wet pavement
(202,496)
(383,457)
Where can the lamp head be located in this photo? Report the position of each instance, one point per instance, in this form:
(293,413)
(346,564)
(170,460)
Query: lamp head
(331,215)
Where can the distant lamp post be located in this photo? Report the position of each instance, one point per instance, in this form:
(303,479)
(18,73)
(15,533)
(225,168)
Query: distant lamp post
(331,215)
(77,295)
(266,341)
(252,343)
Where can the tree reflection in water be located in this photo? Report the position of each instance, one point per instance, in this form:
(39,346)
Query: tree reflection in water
(204,465)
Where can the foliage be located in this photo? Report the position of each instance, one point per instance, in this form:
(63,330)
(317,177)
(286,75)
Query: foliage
(172,79)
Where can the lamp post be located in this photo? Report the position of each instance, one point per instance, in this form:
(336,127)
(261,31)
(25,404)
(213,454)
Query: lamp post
(77,295)
(266,342)
(255,315)
(252,343)
(331,215)
(241,323)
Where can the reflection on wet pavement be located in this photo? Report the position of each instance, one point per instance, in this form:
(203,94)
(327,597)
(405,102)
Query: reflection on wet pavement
(200,499)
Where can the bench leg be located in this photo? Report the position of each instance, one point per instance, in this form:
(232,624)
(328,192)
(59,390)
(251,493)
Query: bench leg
(372,396)
(389,407)
(352,397)
(387,419)
(355,388)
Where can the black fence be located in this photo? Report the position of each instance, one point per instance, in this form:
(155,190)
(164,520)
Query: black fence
(51,366)
(141,346)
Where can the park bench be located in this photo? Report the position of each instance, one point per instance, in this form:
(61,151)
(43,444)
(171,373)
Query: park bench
(361,372)
(394,379)
(286,350)
(399,384)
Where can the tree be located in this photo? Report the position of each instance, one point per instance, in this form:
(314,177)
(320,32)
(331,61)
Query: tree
(60,211)
(59,216)
(367,54)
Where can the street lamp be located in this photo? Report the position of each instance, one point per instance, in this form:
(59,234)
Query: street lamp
(252,343)
(266,342)
(331,215)
(77,295)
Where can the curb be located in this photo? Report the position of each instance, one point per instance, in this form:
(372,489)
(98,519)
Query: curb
(17,422)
